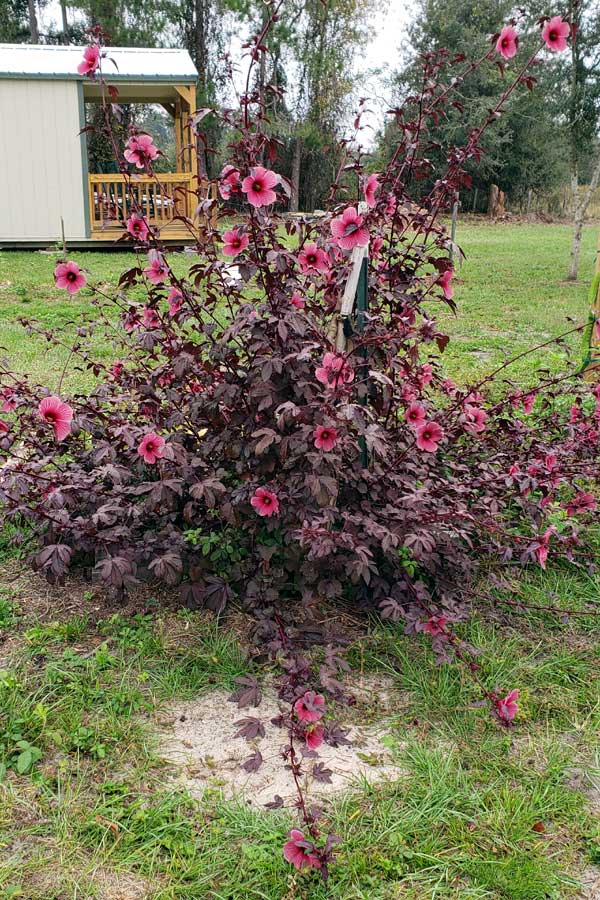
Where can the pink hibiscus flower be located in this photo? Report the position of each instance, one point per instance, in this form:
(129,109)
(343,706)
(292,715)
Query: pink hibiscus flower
(474,419)
(334,370)
(445,282)
(58,414)
(312,258)
(391,204)
(310,707)
(429,434)
(175,300)
(508,42)
(348,229)
(234,242)
(297,300)
(300,852)
(90,61)
(68,275)
(325,437)
(528,402)
(151,318)
(140,150)
(258,186)
(435,625)
(314,737)
(370,187)
(157,271)
(555,33)
(426,375)
(151,447)
(265,502)
(137,228)
(230,182)
(415,414)
(507,707)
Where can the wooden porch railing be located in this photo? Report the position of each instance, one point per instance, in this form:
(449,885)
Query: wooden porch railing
(161,199)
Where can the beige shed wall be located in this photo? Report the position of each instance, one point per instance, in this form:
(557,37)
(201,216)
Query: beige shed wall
(41,176)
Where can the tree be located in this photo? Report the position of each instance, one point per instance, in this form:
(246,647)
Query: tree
(528,149)
(581,69)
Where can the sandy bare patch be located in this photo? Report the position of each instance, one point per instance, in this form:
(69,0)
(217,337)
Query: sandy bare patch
(590,883)
(199,736)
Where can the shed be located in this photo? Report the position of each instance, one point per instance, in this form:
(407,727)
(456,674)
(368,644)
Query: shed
(44,174)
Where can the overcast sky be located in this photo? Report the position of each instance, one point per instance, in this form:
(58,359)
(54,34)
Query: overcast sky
(381,54)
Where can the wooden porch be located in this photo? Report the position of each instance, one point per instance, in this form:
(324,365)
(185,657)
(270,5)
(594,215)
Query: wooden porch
(162,199)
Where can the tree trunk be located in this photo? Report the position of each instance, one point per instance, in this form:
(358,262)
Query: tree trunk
(65,22)
(33,23)
(296,166)
(580,210)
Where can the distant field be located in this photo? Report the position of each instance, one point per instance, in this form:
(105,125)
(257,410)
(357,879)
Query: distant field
(510,294)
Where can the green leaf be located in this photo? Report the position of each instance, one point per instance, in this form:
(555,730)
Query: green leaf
(24,762)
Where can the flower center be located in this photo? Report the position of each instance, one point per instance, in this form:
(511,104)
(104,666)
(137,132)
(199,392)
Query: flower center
(71,276)
(257,186)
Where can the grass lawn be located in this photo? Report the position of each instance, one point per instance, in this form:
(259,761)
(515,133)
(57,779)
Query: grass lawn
(89,807)
(510,295)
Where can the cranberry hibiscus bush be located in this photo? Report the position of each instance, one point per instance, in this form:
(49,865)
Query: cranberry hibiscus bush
(234,449)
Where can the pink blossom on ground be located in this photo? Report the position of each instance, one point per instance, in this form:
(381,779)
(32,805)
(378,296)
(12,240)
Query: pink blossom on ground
(58,414)
(370,188)
(258,186)
(435,625)
(508,42)
(310,707)
(312,259)
(297,851)
(230,182)
(151,318)
(507,707)
(4,427)
(514,470)
(175,301)
(581,502)
(348,229)
(116,370)
(555,33)
(234,242)
(140,150)
(137,228)
(550,461)
(265,502)
(325,437)
(157,271)
(90,61)
(334,370)
(415,414)
(474,419)
(68,275)
(429,434)
(151,447)
(314,737)
(445,282)
(297,300)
